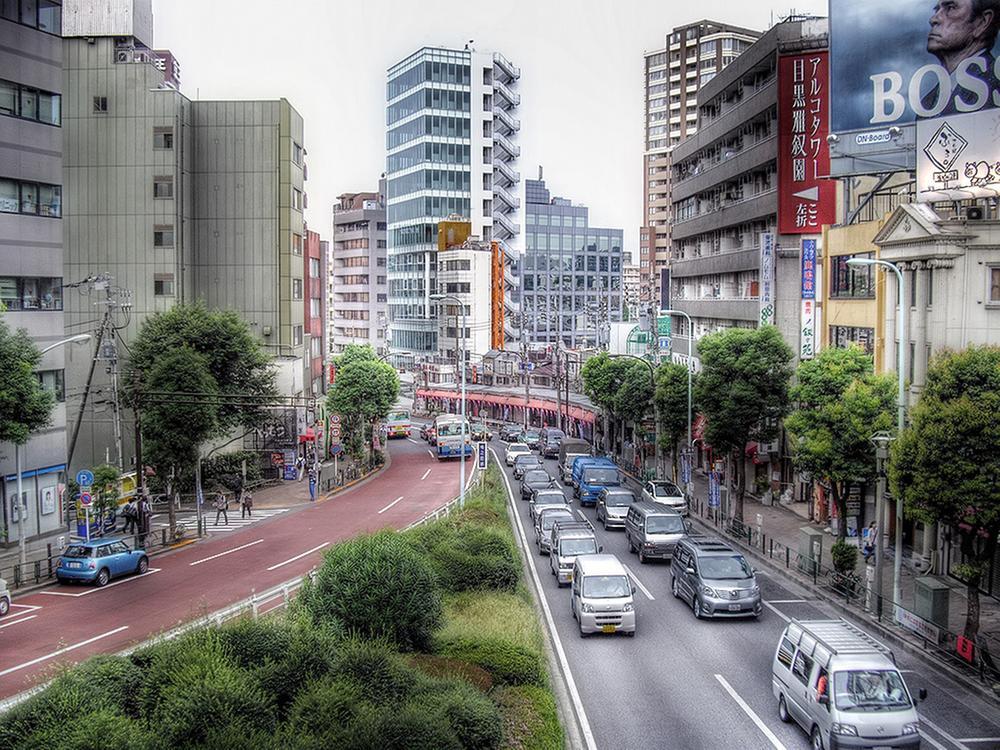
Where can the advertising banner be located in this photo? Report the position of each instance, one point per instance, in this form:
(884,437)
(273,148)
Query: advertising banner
(958,152)
(895,62)
(766,278)
(807,198)
(807,338)
(808,269)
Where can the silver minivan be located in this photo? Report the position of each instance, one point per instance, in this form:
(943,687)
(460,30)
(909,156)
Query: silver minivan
(602,596)
(567,544)
(842,686)
(715,579)
(653,530)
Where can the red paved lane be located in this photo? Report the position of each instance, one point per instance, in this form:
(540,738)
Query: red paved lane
(137,608)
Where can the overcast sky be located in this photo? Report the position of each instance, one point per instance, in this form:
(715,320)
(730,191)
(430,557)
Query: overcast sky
(581,78)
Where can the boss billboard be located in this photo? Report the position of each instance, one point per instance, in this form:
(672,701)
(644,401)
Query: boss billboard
(894,62)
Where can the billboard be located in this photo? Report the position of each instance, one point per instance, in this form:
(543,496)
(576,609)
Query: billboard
(958,152)
(766,278)
(895,62)
(807,198)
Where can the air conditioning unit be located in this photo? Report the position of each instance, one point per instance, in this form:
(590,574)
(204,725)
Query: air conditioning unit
(974,213)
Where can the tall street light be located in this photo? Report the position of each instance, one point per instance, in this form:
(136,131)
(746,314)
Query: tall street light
(656,413)
(690,342)
(900,404)
(457,301)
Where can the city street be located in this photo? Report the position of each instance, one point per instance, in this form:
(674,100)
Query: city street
(685,683)
(69,623)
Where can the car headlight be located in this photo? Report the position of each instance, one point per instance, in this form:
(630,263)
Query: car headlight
(754,590)
(627,607)
(845,729)
(586,607)
(709,591)
(911,728)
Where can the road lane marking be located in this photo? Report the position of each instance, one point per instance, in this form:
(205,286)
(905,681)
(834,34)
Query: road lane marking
(102,588)
(638,583)
(979,739)
(18,622)
(937,745)
(430,452)
(413,441)
(957,743)
(293,559)
(390,505)
(588,735)
(751,713)
(29,607)
(583,515)
(62,651)
(425,475)
(789,601)
(227,552)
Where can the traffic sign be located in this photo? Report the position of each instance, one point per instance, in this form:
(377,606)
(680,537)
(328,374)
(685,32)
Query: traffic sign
(481,463)
(85,499)
(84,478)
(529,366)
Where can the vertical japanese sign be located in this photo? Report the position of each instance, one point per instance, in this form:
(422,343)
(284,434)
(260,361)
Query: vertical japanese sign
(806,195)
(766,292)
(807,336)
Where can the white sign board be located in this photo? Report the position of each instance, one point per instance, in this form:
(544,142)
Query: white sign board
(807,338)
(958,152)
(766,278)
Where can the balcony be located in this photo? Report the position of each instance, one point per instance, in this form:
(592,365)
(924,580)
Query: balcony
(722,262)
(756,207)
(503,118)
(509,69)
(512,98)
(512,149)
(746,160)
(502,168)
(511,200)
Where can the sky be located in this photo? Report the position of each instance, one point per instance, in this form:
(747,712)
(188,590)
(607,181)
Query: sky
(581,78)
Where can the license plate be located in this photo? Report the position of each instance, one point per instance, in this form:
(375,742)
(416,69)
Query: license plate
(75,565)
(734,607)
(607,628)
(569,576)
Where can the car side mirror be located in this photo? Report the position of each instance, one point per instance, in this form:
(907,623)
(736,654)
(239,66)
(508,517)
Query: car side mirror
(922,694)
(600,548)
(823,699)
(688,525)
(690,571)
(633,589)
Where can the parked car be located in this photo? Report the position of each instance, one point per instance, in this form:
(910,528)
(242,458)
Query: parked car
(652,531)
(714,578)
(100,560)
(525,461)
(546,497)
(4,598)
(534,479)
(513,451)
(612,505)
(543,525)
(602,596)
(665,492)
(532,438)
(568,542)
(510,433)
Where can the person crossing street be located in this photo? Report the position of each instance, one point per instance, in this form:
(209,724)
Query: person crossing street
(221,507)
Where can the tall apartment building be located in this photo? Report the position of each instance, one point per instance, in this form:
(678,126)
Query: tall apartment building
(178,201)
(452,147)
(725,196)
(692,56)
(357,280)
(571,280)
(314,271)
(630,290)
(31,247)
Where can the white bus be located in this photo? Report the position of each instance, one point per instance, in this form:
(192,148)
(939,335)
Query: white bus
(448,429)
(398,424)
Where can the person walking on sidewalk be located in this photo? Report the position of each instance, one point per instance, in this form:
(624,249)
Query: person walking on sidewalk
(130,512)
(300,464)
(246,504)
(870,540)
(221,507)
(312,482)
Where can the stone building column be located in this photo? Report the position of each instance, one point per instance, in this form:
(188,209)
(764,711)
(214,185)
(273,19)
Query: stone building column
(919,328)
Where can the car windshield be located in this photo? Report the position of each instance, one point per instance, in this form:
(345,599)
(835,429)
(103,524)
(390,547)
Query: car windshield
(870,690)
(606,587)
(600,476)
(550,498)
(77,550)
(666,489)
(531,435)
(554,435)
(399,416)
(528,459)
(619,499)
(549,519)
(734,568)
(664,525)
(518,448)
(569,547)
(536,476)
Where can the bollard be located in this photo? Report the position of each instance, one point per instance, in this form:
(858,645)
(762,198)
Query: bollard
(48,559)
(786,557)
(770,550)
(254,607)
(163,537)
(38,570)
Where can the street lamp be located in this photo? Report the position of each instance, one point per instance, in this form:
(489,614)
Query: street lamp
(881,442)
(690,342)
(900,406)
(21,550)
(656,415)
(461,490)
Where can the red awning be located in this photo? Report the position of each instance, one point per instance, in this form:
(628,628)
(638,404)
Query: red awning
(309,436)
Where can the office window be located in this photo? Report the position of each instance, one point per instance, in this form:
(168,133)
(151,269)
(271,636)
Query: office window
(314,268)
(296,335)
(163,187)
(163,236)
(297,199)
(31,293)
(316,346)
(296,153)
(994,285)
(296,288)
(852,282)
(163,284)
(100,104)
(296,243)
(52,380)
(30,104)
(163,139)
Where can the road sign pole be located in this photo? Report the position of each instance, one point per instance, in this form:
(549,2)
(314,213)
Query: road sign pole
(86,527)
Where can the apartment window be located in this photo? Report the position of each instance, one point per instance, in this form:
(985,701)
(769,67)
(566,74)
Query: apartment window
(296,243)
(44,15)
(163,139)
(994,285)
(100,104)
(296,335)
(297,199)
(316,346)
(314,268)
(381,298)
(296,153)
(33,198)
(380,279)
(30,104)
(296,288)
(52,381)
(487,102)
(487,155)
(842,337)
(380,261)
(314,307)
(163,284)
(380,244)
(31,293)
(487,207)
(163,236)
(852,282)
(163,187)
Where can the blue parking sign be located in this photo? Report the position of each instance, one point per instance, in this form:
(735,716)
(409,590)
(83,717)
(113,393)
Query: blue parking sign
(84,478)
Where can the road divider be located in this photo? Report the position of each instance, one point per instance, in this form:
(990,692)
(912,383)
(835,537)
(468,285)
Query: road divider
(299,556)
(771,736)
(390,505)
(61,651)
(227,552)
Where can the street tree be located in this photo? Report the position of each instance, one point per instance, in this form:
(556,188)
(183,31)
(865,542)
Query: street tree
(603,377)
(743,392)
(634,398)
(363,393)
(841,403)
(25,406)
(106,490)
(672,406)
(946,464)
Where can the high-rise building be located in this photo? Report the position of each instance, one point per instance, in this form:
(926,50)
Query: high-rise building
(571,279)
(178,201)
(452,147)
(692,56)
(630,290)
(31,248)
(357,278)
(314,272)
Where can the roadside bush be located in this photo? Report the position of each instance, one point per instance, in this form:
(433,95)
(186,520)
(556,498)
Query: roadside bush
(252,643)
(412,728)
(377,670)
(530,719)
(103,728)
(844,556)
(473,717)
(326,703)
(469,557)
(377,586)
(507,662)
(311,654)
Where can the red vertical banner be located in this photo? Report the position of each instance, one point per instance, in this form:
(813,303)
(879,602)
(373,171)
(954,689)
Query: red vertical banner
(807,197)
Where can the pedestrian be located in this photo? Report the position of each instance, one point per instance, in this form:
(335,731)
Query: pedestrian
(129,513)
(221,507)
(247,504)
(312,482)
(300,464)
(870,537)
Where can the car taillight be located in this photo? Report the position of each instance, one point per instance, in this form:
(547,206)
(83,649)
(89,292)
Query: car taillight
(91,565)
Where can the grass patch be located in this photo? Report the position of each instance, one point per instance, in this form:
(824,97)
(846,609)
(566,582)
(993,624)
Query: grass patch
(530,718)
(493,615)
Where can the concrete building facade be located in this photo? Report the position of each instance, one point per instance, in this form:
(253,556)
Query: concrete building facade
(315,272)
(452,151)
(358,285)
(31,249)
(630,290)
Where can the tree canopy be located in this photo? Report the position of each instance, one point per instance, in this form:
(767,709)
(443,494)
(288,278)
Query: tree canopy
(672,405)
(25,406)
(364,391)
(946,464)
(743,391)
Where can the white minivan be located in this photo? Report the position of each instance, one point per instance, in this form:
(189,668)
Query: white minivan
(843,688)
(602,596)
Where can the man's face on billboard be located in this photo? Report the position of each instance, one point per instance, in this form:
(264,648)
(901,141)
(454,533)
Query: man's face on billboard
(956,29)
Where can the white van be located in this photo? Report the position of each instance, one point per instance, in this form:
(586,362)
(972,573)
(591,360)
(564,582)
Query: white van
(602,596)
(842,686)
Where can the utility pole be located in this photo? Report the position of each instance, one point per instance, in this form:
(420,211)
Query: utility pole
(881,441)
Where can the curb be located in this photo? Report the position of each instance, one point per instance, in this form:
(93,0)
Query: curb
(933,663)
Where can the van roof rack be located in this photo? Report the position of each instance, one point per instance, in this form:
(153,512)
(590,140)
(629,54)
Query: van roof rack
(841,637)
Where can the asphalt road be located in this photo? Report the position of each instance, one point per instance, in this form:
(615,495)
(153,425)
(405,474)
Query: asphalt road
(69,623)
(684,683)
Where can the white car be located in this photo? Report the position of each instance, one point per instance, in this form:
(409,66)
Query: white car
(667,493)
(514,450)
